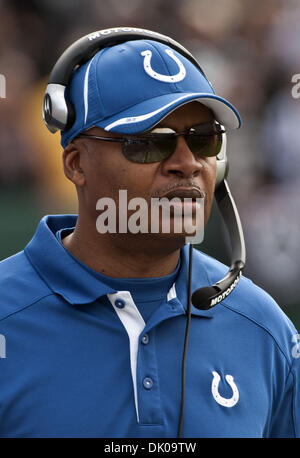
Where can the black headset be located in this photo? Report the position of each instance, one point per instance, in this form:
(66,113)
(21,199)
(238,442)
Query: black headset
(58,114)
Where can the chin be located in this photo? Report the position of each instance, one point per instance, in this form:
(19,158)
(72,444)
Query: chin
(169,242)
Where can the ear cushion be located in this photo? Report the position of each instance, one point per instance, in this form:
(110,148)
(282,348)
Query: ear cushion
(222,171)
(47,109)
(222,163)
(57,110)
(70,115)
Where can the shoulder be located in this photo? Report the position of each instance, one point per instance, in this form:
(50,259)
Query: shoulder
(20,285)
(252,303)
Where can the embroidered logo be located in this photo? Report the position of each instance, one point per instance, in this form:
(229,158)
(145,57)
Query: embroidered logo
(225,402)
(158,76)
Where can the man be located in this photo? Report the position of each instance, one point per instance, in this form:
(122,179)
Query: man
(94,322)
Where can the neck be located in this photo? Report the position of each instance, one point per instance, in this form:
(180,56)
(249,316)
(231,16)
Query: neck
(123,255)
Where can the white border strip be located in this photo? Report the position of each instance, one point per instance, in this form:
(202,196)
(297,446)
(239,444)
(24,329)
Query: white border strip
(134,324)
(85,91)
(172,293)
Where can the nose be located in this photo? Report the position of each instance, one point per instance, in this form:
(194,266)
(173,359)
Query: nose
(182,162)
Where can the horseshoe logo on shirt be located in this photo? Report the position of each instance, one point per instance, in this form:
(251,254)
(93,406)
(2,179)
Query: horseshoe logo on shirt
(225,402)
(158,76)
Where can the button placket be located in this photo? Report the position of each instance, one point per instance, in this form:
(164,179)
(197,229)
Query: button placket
(149,400)
(134,324)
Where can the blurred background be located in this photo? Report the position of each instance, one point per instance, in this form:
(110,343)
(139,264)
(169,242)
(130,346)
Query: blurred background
(249,50)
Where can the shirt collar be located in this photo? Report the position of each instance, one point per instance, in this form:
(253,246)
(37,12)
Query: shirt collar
(67,277)
(57,268)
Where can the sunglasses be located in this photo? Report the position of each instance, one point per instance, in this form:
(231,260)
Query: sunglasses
(204,140)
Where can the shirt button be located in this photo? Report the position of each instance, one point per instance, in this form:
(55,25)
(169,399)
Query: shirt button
(173,307)
(145,339)
(148,383)
(120,303)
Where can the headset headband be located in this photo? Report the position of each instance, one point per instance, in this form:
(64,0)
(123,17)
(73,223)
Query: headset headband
(58,112)
(84,49)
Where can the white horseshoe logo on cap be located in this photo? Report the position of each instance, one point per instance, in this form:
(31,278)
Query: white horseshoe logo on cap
(158,76)
(225,402)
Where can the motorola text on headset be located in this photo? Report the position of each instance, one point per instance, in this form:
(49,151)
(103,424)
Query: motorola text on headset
(58,114)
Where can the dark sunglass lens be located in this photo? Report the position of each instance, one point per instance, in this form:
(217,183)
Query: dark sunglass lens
(146,151)
(205,145)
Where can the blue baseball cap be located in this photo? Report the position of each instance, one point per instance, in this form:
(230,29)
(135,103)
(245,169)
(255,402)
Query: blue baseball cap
(130,87)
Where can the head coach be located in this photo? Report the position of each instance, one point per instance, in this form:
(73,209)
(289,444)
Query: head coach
(126,333)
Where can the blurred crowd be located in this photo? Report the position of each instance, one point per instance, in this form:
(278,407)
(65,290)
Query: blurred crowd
(249,50)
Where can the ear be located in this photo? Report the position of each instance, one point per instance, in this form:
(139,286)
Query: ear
(72,165)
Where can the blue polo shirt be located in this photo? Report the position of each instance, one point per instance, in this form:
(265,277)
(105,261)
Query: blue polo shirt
(79,359)
(147,293)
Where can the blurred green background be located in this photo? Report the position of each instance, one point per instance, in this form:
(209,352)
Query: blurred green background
(249,51)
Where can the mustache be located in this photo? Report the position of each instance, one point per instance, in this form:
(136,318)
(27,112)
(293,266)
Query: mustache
(178,185)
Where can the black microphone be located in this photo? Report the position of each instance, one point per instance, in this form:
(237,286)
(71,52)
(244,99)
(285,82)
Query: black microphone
(208,296)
